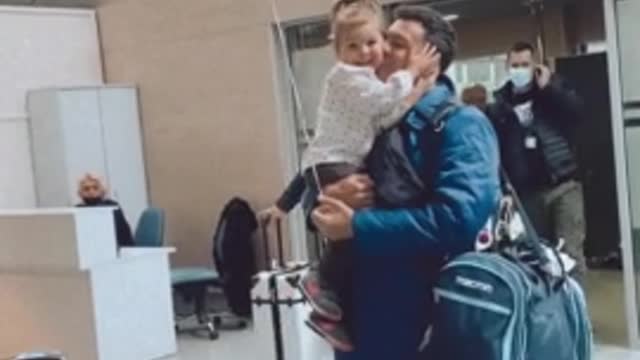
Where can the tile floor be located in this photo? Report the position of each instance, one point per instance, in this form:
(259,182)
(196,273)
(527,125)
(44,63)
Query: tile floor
(606,300)
(605,295)
(237,346)
(615,354)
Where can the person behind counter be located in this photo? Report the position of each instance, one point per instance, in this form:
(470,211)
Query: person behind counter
(93,193)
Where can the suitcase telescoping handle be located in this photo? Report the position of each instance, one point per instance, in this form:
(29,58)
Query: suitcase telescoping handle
(265,240)
(269,260)
(280,243)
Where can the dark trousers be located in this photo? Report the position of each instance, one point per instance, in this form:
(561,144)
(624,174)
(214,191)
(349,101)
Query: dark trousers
(335,267)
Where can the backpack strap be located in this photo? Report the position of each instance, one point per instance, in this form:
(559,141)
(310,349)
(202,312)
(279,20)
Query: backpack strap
(439,119)
(532,242)
(430,137)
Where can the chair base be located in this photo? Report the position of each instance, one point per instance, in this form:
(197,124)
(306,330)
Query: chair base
(210,325)
(196,293)
(229,321)
(40,356)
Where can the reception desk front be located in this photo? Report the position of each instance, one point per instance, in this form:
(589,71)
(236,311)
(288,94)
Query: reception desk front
(63,286)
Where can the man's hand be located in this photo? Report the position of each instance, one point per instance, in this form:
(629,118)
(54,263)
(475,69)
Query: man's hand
(543,76)
(333,219)
(356,191)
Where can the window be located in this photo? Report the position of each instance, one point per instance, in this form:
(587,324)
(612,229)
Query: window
(488,71)
(311,57)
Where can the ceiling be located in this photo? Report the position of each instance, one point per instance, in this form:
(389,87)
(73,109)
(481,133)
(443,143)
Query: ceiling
(314,33)
(463,8)
(485,8)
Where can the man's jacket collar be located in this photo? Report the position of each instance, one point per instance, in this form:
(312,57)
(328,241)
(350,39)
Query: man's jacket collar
(430,104)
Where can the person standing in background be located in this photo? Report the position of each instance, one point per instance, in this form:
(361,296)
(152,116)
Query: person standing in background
(94,194)
(535,115)
(475,95)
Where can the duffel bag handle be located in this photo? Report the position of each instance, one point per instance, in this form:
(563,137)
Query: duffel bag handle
(531,239)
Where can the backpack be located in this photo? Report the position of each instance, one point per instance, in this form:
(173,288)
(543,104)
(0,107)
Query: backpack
(502,303)
(506,303)
(494,305)
(490,307)
(233,253)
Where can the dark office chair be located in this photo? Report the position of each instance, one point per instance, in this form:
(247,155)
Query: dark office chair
(189,282)
(193,283)
(235,266)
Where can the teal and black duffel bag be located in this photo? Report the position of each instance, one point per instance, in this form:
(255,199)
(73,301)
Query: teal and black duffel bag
(509,304)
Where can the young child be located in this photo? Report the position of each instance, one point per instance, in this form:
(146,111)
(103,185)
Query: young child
(355,107)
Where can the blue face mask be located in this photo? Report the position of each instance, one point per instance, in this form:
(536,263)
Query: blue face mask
(521,77)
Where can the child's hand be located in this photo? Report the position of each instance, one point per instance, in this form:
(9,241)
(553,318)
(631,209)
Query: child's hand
(425,62)
(425,83)
(271,214)
(421,87)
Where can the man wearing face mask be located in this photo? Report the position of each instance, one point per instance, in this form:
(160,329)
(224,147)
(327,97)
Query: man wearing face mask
(93,193)
(535,115)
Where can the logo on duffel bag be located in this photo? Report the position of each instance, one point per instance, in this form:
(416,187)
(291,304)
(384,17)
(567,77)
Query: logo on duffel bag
(474,284)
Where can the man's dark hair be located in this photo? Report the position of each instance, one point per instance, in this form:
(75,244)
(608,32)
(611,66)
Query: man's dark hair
(521,46)
(438,31)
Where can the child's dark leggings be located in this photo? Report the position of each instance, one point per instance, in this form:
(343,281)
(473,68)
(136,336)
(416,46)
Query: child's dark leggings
(335,268)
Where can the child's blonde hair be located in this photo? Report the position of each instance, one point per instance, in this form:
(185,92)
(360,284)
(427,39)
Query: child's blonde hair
(347,15)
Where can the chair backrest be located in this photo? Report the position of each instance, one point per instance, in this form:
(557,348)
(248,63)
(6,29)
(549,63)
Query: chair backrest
(150,229)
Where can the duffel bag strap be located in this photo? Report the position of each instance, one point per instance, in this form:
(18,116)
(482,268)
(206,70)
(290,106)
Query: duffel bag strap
(529,247)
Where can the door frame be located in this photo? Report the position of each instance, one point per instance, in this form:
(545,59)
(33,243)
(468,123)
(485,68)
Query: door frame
(287,131)
(622,184)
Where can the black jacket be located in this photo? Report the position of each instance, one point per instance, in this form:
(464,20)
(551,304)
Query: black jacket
(123,231)
(233,253)
(556,113)
(292,194)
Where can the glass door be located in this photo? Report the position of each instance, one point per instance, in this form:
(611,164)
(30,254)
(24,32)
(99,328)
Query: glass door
(624,71)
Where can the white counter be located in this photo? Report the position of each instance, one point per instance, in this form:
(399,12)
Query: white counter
(78,296)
